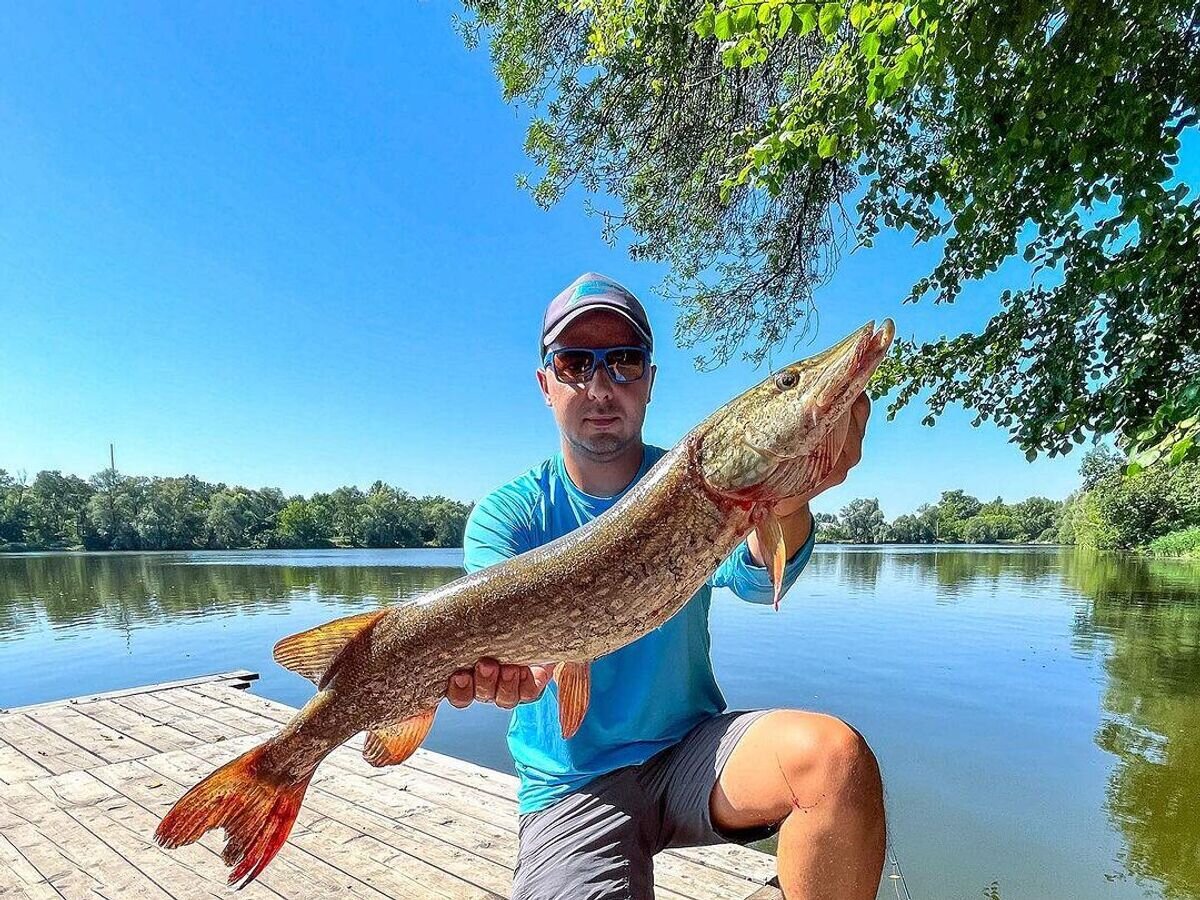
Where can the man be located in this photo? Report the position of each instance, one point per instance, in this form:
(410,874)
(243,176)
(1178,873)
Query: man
(657,761)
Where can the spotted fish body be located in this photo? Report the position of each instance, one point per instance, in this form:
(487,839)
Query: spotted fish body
(567,602)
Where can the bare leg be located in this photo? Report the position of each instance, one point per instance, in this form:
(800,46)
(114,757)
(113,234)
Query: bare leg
(817,775)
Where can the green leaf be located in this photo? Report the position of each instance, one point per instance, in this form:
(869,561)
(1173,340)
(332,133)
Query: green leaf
(831,18)
(1180,451)
(827,146)
(859,13)
(785,19)
(806,17)
(870,45)
(723,25)
(744,19)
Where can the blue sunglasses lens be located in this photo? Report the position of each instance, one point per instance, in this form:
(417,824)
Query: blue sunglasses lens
(624,364)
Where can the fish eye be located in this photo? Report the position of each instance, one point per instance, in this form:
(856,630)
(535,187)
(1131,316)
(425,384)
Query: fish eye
(786,380)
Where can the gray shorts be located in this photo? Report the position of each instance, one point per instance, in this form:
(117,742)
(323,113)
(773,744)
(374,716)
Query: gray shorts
(599,842)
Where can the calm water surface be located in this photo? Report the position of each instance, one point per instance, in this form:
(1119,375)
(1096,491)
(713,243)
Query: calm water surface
(1036,711)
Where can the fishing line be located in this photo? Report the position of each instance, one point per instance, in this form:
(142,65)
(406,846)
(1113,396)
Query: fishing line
(897,876)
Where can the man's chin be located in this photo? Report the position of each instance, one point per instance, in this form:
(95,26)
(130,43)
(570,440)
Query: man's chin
(602,446)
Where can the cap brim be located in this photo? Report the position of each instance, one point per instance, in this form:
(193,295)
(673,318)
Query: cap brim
(552,335)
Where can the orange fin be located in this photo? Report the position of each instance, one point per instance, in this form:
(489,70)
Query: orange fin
(394,744)
(770,539)
(574,693)
(313,653)
(256,812)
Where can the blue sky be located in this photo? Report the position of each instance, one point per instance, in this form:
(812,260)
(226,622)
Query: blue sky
(284,246)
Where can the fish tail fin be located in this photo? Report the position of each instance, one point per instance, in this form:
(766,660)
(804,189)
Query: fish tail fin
(256,811)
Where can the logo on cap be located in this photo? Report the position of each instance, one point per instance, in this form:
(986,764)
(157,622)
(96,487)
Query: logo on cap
(588,288)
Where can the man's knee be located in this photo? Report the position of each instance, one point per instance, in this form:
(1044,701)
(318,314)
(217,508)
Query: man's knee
(822,756)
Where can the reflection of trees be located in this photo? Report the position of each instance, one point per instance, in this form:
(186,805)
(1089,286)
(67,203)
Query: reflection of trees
(123,590)
(954,570)
(1149,611)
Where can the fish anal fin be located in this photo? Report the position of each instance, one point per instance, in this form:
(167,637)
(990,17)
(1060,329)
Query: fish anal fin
(774,550)
(313,653)
(574,693)
(393,744)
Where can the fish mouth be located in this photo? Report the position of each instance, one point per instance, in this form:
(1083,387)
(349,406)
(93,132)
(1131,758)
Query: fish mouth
(849,365)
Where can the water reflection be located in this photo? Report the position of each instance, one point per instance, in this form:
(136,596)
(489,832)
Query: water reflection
(1147,611)
(128,590)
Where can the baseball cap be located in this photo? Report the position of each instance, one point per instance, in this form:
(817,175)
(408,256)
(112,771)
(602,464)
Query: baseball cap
(588,292)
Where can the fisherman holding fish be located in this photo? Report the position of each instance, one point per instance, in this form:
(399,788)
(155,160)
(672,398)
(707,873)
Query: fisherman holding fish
(601,561)
(657,761)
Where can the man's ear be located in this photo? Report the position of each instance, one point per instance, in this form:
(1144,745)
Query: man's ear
(650,388)
(544,385)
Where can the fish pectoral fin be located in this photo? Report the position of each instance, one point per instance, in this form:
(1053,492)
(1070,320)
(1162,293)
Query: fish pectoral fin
(770,539)
(574,693)
(395,743)
(313,653)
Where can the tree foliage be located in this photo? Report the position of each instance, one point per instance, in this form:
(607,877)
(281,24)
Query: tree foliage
(731,131)
(113,511)
(956,518)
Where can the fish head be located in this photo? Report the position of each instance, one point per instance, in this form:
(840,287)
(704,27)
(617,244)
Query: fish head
(782,437)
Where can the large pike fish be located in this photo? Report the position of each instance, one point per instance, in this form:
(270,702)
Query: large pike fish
(570,601)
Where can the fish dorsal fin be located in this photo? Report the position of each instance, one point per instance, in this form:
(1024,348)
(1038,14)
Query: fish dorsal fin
(574,693)
(312,653)
(774,550)
(393,744)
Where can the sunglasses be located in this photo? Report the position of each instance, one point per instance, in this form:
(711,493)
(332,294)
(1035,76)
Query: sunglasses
(577,365)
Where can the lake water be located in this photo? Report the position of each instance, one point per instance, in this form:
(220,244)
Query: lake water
(1036,711)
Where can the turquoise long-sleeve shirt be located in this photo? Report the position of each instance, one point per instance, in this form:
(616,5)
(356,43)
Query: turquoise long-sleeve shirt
(645,696)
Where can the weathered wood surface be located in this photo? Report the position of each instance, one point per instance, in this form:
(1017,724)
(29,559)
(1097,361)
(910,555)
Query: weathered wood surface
(83,782)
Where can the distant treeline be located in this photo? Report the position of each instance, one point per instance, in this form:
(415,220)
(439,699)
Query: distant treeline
(957,518)
(1156,510)
(113,511)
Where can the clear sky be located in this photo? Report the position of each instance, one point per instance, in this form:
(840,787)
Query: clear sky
(283,246)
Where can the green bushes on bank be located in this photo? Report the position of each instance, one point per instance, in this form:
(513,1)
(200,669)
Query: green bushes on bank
(1181,544)
(1121,512)
(112,511)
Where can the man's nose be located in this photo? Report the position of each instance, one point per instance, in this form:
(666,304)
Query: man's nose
(601,386)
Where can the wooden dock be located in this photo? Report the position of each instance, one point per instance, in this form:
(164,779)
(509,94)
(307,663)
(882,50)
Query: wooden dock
(84,782)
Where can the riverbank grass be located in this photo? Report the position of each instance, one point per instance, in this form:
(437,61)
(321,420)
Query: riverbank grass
(1183,544)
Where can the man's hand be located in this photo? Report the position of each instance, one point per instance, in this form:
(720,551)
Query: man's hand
(492,682)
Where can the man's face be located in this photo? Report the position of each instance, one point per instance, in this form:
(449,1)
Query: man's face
(599,419)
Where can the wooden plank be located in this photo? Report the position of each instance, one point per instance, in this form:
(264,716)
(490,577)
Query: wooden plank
(142,728)
(48,749)
(83,865)
(185,769)
(239,678)
(202,728)
(410,877)
(127,825)
(106,743)
(15,766)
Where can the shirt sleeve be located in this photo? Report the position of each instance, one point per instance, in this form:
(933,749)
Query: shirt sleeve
(498,528)
(753,583)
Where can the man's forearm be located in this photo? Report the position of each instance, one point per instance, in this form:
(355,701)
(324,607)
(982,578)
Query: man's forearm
(796,527)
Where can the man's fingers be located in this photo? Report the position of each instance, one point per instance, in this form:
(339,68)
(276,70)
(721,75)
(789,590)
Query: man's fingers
(487,674)
(508,692)
(534,680)
(461,690)
(862,408)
